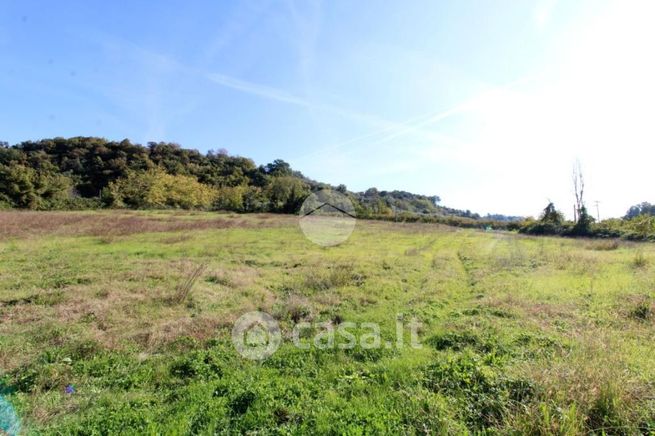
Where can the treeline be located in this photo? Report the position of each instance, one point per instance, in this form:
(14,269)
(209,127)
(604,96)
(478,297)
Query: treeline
(89,172)
(637,228)
(638,224)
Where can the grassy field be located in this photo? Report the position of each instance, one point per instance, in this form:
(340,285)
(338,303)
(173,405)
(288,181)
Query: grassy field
(121,322)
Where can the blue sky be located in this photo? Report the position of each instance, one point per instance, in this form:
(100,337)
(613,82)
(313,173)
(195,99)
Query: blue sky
(484,103)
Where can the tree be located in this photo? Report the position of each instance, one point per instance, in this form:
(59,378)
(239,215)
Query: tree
(286,194)
(644,208)
(157,189)
(231,198)
(551,215)
(278,168)
(17,186)
(582,220)
(26,187)
(583,226)
(578,189)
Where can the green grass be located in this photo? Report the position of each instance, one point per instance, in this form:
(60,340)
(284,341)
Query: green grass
(520,334)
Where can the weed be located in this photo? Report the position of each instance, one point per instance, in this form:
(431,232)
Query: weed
(486,397)
(608,413)
(458,341)
(184,288)
(546,419)
(642,311)
(639,261)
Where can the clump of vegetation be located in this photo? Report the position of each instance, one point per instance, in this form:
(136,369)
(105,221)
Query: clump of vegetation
(608,414)
(459,341)
(639,260)
(643,209)
(294,308)
(26,187)
(485,396)
(642,310)
(183,289)
(334,276)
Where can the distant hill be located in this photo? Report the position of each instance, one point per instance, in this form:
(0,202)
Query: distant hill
(91,172)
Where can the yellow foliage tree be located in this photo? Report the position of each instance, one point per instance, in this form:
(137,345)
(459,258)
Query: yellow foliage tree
(157,189)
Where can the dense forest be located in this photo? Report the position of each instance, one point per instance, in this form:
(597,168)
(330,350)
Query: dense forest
(89,172)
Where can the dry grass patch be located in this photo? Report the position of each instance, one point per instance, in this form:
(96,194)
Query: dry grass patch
(579,262)
(165,332)
(603,245)
(294,308)
(110,224)
(236,278)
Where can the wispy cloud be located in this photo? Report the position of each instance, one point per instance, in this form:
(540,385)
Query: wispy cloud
(160,63)
(262,91)
(282,96)
(384,130)
(240,20)
(157,63)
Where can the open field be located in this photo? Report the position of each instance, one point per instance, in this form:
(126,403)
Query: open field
(133,312)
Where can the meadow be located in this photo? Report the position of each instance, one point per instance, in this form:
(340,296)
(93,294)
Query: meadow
(120,322)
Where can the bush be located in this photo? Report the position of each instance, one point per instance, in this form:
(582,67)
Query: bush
(542,228)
